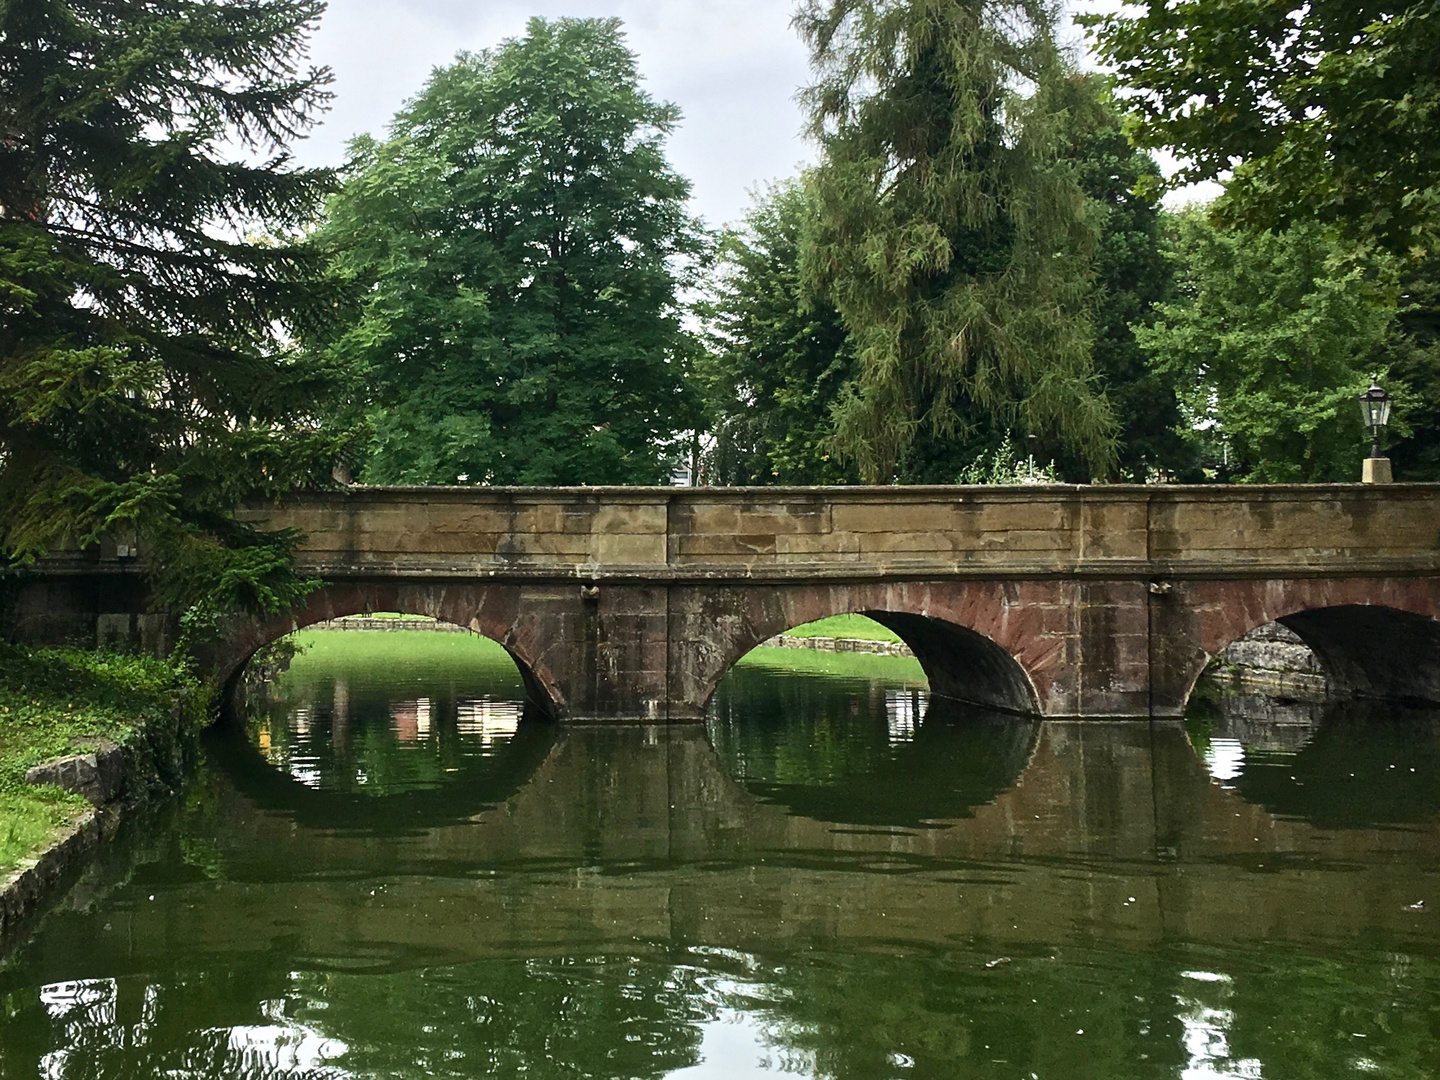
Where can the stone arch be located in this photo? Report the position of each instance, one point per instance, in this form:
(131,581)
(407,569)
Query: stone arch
(492,611)
(976,642)
(1374,638)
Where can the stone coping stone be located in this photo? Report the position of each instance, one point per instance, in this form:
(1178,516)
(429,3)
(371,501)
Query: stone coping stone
(117,780)
(35,882)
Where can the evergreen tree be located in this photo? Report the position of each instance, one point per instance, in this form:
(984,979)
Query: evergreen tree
(780,354)
(952,233)
(524,243)
(1132,276)
(145,292)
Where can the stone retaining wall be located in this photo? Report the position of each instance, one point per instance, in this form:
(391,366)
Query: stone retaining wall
(840,645)
(1271,660)
(365,622)
(120,780)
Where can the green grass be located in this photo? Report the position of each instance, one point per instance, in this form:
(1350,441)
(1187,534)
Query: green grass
(901,670)
(384,658)
(855,627)
(51,700)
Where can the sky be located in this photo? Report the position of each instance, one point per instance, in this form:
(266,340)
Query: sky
(732,66)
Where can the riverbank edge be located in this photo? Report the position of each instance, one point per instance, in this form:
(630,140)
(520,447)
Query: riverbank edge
(155,764)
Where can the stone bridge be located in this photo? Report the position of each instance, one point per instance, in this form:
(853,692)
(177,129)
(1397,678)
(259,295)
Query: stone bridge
(633,603)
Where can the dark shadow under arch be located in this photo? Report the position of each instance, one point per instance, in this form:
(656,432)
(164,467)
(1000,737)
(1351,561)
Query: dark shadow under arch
(1368,764)
(963,665)
(1369,651)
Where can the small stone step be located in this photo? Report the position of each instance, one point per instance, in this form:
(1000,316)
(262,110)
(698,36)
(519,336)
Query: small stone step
(97,774)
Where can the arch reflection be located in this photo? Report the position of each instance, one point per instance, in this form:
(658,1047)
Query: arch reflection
(385,731)
(832,744)
(1337,765)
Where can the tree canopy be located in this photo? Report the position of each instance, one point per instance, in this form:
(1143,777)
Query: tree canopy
(1272,336)
(147,287)
(524,244)
(1132,276)
(1325,110)
(951,233)
(780,354)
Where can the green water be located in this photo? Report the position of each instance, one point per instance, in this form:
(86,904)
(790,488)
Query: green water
(389,872)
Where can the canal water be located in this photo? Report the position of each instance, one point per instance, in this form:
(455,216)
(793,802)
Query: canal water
(388,871)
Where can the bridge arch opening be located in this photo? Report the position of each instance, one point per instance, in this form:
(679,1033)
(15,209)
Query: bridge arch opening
(480,612)
(1363,651)
(1368,651)
(380,721)
(963,665)
(959,664)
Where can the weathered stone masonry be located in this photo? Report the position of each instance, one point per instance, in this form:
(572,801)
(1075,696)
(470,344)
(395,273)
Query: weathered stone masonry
(624,603)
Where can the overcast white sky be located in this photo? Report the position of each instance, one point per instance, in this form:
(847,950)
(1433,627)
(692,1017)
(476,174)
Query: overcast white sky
(733,67)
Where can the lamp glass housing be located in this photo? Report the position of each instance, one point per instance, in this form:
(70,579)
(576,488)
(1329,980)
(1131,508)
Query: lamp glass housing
(1375,409)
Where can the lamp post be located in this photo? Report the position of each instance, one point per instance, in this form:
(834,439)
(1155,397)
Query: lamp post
(1375,412)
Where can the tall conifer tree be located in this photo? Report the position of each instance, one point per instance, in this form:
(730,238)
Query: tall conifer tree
(952,233)
(145,294)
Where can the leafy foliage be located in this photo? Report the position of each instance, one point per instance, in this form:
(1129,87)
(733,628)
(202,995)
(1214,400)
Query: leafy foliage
(1325,110)
(1132,276)
(144,383)
(780,354)
(523,242)
(1275,334)
(1416,364)
(952,234)
(1005,465)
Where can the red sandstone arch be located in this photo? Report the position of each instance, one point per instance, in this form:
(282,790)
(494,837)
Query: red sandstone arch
(493,611)
(1375,637)
(994,632)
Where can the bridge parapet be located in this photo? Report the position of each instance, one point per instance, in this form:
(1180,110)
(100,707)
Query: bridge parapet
(855,533)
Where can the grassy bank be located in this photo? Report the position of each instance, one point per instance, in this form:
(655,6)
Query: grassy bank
(901,670)
(364,658)
(853,627)
(51,701)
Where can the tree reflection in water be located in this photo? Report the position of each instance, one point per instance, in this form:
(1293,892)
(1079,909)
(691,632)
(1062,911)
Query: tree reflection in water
(844,749)
(855,883)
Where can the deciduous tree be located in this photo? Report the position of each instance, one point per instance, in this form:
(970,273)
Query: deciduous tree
(1275,334)
(524,243)
(1325,110)
(780,354)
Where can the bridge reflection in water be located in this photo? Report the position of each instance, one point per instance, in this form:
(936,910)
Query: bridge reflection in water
(836,879)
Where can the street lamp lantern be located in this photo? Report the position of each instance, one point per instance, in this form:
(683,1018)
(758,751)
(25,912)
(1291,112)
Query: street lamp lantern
(1375,413)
